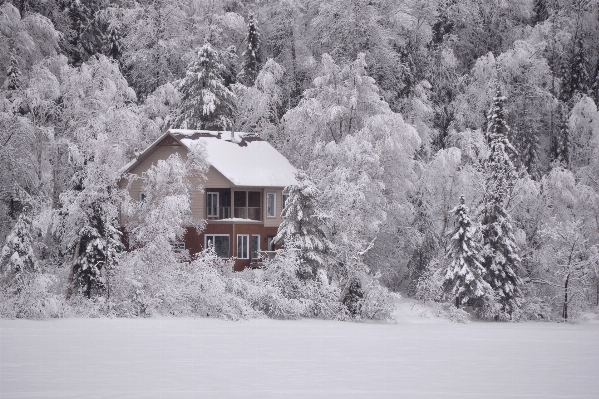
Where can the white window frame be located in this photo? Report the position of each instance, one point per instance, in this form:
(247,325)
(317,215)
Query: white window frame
(252,249)
(274,206)
(245,255)
(208,194)
(217,235)
(284,198)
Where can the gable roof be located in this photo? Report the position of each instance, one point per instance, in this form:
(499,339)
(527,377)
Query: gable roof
(246,161)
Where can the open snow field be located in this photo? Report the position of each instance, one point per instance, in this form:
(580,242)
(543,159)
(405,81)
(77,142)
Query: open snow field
(416,357)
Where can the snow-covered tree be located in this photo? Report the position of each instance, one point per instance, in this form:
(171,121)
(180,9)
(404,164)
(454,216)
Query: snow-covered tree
(464,276)
(206,103)
(303,228)
(251,56)
(569,258)
(540,13)
(146,275)
(17,254)
(114,47)
(578,77)
(13,74)
(500,250)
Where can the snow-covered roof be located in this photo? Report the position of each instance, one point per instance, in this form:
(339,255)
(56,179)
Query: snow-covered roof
(245,160)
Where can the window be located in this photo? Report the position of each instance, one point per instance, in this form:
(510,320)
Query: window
(255,246)
(242,246)
(212,205)
(142,197)
(220,243)
(285,198)
(271,204)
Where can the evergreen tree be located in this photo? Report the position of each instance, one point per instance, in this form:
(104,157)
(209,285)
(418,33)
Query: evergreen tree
(464,276)
(559,149)
(99,244)
(251,56)
(579,76)
(540,13)
(595,84)
(500,251)
(114,48)
(206,103)
(17,253)
(13,74)
(302,227)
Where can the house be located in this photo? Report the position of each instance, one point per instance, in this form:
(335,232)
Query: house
(243,191)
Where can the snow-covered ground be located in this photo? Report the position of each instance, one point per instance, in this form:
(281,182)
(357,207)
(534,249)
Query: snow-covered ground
(417,357)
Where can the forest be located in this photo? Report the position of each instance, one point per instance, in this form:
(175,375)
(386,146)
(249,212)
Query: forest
(448,151)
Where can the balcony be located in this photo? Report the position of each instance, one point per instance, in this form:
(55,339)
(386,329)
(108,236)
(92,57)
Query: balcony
(223,204)
(214,213)
(247,212)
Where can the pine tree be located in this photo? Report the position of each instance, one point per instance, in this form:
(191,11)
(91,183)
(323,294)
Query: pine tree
(500,250)
(251,56)
(540,13)
(579,76)
(559,149)
(464,276)
(17,254)
(302,227)
(595,84)
(206,103)
(114,48)
(100,242)
(13,74)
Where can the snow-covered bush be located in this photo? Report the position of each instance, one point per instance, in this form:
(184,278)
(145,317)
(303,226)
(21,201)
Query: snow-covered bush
(31,295)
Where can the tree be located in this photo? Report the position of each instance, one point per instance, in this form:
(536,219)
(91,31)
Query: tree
(500,251)
(303,228)
(569,257)
(464,276)
(17,254)
(206,103)
(251,56)
(560,144)
(114,46)
(579,75)
(13,74)
(540,13)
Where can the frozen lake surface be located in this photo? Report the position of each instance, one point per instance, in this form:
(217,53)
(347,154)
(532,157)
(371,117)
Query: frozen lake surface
(205,358)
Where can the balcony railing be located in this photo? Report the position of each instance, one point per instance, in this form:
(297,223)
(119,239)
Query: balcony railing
(224,212)
(247,212)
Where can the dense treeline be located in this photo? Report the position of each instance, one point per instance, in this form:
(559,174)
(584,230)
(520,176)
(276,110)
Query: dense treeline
(449,149)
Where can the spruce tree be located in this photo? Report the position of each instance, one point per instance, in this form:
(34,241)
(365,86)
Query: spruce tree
(114,48)
(251,56)
(464,277)
(206,103)
(500,252)
(559,148)
(99,245)
(13,74)
(17,254)
(540,13)
(579,76)
(595,84)
(302,227)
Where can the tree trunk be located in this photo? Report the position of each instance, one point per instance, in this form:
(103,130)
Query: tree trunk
(565,312)
(72,272)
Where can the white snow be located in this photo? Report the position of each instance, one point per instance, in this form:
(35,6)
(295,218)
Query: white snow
(256,165)
(416,357)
